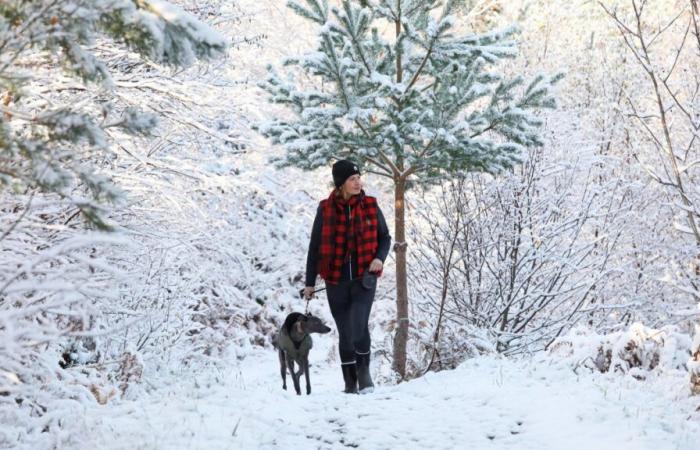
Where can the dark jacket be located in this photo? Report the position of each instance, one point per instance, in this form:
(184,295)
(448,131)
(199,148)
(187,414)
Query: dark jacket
(349,270)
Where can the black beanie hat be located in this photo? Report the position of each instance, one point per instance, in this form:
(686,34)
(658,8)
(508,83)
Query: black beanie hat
(342,170)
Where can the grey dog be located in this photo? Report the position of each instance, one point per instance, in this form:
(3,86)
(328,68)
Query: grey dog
(294,343)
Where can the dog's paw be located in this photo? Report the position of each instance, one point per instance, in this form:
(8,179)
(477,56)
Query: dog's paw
(284,386)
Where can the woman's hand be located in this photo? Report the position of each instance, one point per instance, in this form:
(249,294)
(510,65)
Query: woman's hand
(308,292)
(376,265)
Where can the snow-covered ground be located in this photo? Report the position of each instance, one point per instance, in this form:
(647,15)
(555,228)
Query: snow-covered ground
(486,403)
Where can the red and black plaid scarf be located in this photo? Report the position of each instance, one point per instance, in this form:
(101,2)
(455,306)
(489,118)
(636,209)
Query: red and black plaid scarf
(339,241)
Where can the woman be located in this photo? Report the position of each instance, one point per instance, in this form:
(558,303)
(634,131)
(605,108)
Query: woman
(349,243)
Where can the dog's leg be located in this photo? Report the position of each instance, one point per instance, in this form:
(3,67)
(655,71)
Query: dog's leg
(283,369)
(306,372)
(295,376)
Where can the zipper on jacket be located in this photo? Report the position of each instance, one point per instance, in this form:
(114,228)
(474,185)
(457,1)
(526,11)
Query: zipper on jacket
(348,244)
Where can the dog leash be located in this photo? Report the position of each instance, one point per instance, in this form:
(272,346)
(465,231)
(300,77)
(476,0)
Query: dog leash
(301,292)
(301,295)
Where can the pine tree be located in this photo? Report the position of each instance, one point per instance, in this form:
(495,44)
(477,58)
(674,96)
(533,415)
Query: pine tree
(55,148)
(416,107)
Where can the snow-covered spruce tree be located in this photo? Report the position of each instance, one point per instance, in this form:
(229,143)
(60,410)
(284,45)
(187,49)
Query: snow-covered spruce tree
(400,92)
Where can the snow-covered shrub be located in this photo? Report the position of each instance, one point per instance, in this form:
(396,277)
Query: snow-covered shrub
(50,293)
(694,364)
(512,254)
(61,120)
(455,344)
(211,287)
(635,351)
(130,370)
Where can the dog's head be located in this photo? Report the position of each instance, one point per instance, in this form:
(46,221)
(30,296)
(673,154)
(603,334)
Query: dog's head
(311,324)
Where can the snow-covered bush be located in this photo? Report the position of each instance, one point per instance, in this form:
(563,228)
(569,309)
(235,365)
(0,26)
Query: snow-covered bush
(635,225)
(694,364)
(605,92)
(456,343)
(210,288)
(635,351)
(62,66)
(514,254)
(50,293)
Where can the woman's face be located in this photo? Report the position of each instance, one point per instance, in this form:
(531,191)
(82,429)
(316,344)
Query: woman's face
(352,185)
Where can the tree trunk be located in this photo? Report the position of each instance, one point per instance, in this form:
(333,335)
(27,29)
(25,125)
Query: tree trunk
(401,279)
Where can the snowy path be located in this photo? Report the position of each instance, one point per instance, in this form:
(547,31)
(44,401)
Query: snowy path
(487,403)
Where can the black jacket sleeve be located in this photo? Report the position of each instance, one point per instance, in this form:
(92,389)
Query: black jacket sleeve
(383,236)
(314,244)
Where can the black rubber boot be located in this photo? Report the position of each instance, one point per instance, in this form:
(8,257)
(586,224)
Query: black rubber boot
(364,378)
(350,377)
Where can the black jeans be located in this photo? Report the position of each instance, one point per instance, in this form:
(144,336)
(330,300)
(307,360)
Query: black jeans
(350,305)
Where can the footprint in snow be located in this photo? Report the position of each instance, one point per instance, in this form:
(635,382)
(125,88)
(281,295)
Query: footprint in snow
(517,429)
(339,425)
(349,444)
